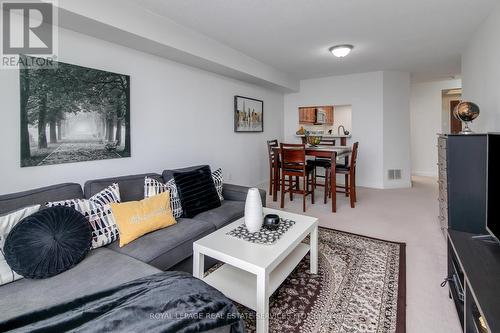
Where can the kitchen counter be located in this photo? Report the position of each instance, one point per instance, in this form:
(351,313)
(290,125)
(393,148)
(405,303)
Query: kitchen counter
(333,136)
(343,138)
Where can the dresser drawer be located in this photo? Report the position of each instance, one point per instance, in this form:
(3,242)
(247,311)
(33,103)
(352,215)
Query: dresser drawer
(442,142)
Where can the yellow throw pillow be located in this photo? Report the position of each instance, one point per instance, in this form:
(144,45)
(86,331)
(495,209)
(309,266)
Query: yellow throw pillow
(137,218)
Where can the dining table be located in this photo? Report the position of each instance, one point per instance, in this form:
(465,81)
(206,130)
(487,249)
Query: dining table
(326,152)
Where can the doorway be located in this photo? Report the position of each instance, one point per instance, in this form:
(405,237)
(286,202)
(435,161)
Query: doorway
(451,98)
(455,124)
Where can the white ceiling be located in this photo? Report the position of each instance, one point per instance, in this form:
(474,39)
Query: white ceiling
(424,37)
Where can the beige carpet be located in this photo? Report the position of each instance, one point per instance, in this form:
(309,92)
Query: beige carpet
(405,215)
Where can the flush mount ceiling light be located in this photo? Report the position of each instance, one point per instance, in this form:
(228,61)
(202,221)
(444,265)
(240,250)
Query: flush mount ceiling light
(341,51)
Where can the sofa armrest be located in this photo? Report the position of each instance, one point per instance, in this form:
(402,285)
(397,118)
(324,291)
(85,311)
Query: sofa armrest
(239,193)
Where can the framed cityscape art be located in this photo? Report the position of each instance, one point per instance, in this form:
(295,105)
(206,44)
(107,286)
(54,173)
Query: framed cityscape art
(248,114)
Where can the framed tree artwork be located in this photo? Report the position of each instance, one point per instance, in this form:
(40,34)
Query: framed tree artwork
(71,114)
(248,114)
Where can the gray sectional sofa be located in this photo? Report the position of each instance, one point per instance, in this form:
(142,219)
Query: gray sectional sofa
(165,249)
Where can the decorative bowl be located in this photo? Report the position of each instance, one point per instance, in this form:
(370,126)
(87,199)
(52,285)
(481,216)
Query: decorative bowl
(314,140)
(271,221)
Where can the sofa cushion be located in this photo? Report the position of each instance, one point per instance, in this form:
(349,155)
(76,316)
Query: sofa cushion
(100,270)
(166,247)
(39,196)
(228,212)
(131,187)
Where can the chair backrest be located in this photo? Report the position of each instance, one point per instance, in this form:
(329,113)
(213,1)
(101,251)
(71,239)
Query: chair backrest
(327,142)
(293,156)
(271,152)
(354,155)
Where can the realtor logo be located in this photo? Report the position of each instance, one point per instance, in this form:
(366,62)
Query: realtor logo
(29,28)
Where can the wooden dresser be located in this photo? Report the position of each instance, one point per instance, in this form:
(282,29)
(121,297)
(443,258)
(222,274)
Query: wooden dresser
(462,182)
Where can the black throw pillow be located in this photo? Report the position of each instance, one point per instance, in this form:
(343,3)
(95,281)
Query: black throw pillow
(196,191)
(48,242)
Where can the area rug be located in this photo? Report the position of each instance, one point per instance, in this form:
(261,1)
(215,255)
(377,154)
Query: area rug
(360,287)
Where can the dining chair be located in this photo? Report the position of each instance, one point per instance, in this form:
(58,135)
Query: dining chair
(324,163)
(349,171)
(273,156)
(293,165)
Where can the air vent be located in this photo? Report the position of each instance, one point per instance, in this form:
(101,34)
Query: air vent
(394,174)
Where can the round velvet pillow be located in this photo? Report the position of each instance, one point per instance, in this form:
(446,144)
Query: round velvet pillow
(48,242)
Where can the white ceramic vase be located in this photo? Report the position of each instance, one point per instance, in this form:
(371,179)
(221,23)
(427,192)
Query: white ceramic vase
(254,215)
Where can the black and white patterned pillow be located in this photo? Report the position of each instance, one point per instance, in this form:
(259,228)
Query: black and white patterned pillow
(97,210)
(110,194)
(153,187)
(218,181)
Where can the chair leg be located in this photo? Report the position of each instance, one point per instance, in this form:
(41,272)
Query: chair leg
(297,180)
(306,187)
(330,187)
(346,183)
(354,185)
(282,191)
(333,188)
(290,184)
(271,181)
(326,185)
(313,186)
(352,195)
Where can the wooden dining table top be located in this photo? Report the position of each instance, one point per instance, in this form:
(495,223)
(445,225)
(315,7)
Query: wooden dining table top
(320,150)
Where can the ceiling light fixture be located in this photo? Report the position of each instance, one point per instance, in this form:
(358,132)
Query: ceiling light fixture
(341,51)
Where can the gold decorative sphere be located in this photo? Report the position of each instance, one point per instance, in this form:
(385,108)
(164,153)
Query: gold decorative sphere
(466,111)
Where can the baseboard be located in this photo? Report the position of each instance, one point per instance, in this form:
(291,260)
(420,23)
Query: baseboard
(424,174)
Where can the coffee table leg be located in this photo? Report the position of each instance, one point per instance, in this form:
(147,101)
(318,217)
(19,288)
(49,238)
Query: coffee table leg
(262,303)
(313,251)
(198,264)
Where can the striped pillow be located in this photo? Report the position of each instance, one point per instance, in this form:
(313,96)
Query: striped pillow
(153,187)
(197,191)
(97,210)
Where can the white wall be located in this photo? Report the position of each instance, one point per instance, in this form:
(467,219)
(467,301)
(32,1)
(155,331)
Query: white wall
(426,121)
(180,116)
(371,101)
(364,93)
(481,73)
(396,128)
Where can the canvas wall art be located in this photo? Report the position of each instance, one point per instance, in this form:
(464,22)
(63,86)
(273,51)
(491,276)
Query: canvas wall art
(248,114)
(73,114)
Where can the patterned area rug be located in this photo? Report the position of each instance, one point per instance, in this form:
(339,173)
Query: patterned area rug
(360,287)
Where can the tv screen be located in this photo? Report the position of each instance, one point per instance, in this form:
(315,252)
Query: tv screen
(493,186)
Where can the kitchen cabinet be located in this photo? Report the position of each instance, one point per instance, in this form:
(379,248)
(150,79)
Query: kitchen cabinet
(329,115)
(307,115)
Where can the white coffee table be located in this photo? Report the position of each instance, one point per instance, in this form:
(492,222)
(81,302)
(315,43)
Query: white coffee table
(252,272)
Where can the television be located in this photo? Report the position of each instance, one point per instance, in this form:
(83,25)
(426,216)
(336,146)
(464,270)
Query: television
(493,186)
